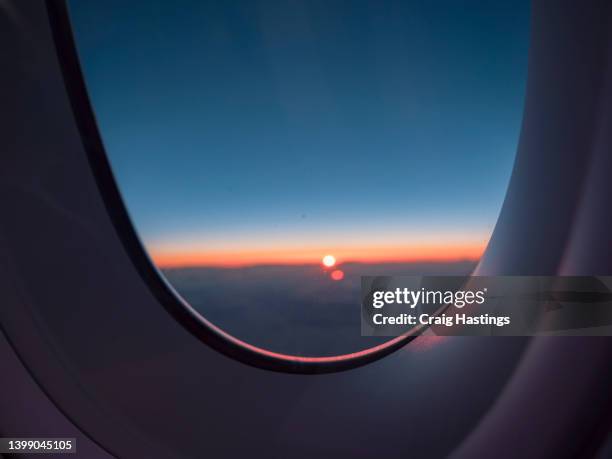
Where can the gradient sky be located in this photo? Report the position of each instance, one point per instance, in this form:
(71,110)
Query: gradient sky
(246,132)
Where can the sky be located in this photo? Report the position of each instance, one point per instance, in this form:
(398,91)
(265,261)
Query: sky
(250,132)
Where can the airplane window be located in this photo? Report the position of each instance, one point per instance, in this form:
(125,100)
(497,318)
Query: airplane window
(272,152)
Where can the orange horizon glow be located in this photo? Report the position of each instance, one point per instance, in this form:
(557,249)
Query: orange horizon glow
(313,255)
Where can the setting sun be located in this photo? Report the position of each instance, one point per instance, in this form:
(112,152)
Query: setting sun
(329,261)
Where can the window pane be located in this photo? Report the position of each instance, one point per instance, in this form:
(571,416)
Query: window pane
(251,139)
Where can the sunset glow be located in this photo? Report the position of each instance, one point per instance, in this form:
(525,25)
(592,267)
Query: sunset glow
(168,258)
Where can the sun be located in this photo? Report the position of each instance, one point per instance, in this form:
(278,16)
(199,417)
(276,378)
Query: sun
(328,261)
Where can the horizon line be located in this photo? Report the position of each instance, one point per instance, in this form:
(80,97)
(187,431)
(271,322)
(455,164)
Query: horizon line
(314,264)
(314,256)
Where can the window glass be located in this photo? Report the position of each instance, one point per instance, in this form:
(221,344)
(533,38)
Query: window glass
(272,152)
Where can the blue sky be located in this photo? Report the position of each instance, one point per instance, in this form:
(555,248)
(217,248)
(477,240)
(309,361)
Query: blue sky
(273,125)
